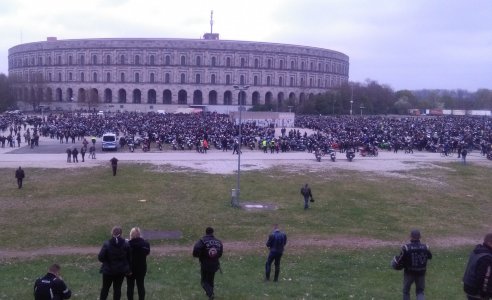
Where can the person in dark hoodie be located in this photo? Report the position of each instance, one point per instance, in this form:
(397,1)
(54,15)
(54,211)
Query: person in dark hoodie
(115,256)
(477,281)
(140,249)
(413,257)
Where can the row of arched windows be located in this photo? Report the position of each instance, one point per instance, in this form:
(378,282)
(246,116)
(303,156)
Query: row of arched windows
(244,62)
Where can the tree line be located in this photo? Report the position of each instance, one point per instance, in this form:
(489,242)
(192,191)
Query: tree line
(369,98)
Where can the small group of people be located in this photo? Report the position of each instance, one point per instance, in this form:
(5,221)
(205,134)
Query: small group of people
(477,280)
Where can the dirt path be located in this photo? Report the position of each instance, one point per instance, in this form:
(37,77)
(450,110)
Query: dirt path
(295,245)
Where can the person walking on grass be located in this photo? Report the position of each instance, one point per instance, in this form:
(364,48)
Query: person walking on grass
(140,248)
(114,165)
(413,257)
(51,286)
(115,256)
(477,281)
(308,196)
(19,174)
(208,250)
(276,243)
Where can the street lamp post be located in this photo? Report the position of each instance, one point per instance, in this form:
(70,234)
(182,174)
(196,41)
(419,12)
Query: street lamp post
(351,103)
(361,108)
(235,198)
(351,97)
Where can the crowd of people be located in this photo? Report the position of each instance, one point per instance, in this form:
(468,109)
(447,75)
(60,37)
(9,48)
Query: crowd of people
(202,131)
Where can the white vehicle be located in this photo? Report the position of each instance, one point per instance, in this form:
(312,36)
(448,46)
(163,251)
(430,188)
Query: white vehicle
(109,142)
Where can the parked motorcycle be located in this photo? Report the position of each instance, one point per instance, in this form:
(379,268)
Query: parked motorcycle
(350,155)
(131,146)
(317,154)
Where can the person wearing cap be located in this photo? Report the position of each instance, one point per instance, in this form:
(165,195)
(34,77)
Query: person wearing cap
(413,257)
(477,281)
(208,250)
(115,256)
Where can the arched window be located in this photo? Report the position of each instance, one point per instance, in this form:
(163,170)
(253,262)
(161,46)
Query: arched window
(108,59)
(50,78)
(243,62)
(122,77)
(257,63)
(122,59)
(228,79)
(228,62)
(212,79)
(281,64)
(241,80)
(70,76)
(198,60)
(255,80)
(302,81)
(137,59)
(59,60)
(152,60)
(168,60)
(197,78)
(167,78)
(319,82)
(108,77)
(280,81)
(94,77)
(183,78)
(319,67)
(269,63)
(94,59)
(49,60)
(269,80)
(40,61)
(82,59)
(292,81)
(152,78)
(302,65)
(70,60)
(137,77)
(214,61)
(183,60)
(60,77)
(312,66)
(82,76)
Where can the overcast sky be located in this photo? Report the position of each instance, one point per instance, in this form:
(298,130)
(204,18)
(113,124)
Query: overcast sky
(406,44)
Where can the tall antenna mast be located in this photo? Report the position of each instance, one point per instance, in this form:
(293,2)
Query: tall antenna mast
(211,20)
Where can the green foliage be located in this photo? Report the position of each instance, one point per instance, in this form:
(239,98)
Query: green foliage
(6,99)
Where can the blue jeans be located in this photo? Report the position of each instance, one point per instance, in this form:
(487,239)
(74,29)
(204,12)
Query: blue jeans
(273,257)
(306,202)
(408,279)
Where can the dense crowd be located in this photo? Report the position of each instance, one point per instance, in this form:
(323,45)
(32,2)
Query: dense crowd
(200,131)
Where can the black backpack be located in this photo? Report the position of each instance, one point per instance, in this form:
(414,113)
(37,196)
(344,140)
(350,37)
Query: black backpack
(43,289)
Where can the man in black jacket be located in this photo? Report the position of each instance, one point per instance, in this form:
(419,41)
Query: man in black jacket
(115,256)
(306,193)
(477,281)
(19,174)
(276,243)
(51,286)
(208,250)
(413,257)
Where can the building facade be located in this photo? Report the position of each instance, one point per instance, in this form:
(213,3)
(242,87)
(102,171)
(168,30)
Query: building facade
(147,74)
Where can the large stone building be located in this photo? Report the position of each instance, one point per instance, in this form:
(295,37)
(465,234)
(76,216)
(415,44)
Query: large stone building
(151,74)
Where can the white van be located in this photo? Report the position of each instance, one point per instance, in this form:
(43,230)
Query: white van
(109,141)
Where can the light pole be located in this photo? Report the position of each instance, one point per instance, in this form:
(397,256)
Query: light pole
(351,98)
(351,103)
(361,108)
(241,89)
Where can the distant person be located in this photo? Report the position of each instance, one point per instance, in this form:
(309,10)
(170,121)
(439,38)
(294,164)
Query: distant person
(51,286)
(140,248)
(208,250)
(114,165)
(75,155)
(83,150)
(413,257)
(115,256)
(92,152)
(69,155)
(464,153)
(276,243)
(477,281)
(19,174)
(308,196)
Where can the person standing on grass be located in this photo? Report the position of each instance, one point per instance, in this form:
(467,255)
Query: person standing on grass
(413,257)
(140,248)
(276,243)
(115,256)
(306,193)
(464,153)
(114,165)
(83,150)
(208,250)
(51,286)
(19,174)
(477,281)
(69,155)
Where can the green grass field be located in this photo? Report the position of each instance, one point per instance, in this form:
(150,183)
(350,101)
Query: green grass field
(77,208)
